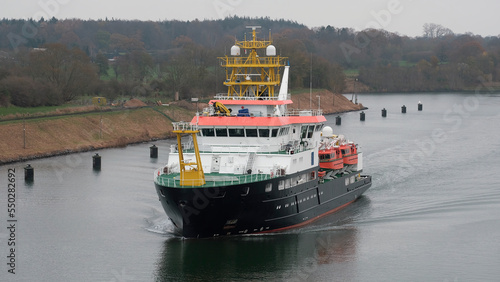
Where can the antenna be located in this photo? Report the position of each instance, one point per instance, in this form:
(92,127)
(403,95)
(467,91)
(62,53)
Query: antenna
(311,82)
(253,27)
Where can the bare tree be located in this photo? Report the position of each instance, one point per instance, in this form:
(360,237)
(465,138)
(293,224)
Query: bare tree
(69,71)
(432,30)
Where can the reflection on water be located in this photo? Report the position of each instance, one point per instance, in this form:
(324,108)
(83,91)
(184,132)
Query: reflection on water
(269,257)
(289,256)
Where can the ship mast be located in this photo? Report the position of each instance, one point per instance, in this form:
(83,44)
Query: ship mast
(254,76)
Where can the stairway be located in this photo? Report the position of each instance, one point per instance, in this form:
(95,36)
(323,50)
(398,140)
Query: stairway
(251,160)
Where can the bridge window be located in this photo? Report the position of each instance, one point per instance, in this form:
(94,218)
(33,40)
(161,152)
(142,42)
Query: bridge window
(310,131)
(251,132)
(222,132)
(264,132)
(236,132)
(303,131)
(208,131)
(274,132)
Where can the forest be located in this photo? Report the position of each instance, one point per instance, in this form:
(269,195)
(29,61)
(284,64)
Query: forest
(54,61)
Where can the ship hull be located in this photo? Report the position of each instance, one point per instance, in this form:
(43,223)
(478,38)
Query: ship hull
(199,212)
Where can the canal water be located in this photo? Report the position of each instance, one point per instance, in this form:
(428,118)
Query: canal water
(432,214)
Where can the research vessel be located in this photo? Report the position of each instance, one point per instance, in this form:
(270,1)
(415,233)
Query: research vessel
(248,164)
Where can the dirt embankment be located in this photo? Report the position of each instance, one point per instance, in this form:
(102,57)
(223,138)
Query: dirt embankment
(67,134)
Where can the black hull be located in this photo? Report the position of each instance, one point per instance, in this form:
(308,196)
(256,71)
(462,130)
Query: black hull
(248,208)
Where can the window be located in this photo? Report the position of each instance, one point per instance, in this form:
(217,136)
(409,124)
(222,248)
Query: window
(251,132)
(281,185)
(303,131)
(269,187)
(274,132)
(221,132)
(287,183)
(236,132)
(284,131)
(264,132)
(319,127)
(208,131)
(310,131)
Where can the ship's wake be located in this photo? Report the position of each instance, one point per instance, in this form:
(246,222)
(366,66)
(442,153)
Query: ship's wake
(160,224)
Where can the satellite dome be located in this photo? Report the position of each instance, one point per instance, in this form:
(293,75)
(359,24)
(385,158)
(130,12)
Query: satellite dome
(271,50)
(327,132)
(235,50)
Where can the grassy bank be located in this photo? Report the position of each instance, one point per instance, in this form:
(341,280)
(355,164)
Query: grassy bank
(65,134)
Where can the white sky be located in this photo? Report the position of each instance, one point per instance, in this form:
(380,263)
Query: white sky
(405,17)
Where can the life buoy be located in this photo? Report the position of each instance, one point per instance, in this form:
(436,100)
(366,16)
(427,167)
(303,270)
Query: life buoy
(272,174)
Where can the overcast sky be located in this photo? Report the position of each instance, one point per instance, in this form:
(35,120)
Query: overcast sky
(405,17)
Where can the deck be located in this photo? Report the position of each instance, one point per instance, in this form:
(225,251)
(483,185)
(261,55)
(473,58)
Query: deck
(211,179)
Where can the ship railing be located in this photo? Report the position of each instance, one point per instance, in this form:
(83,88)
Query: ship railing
(242,61)
(288,149)
(212,180)
(296,112)
(226,96)
(186,148)
(184,125)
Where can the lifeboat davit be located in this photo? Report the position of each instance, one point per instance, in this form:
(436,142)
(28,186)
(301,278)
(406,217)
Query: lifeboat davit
(349,153)
(331,158)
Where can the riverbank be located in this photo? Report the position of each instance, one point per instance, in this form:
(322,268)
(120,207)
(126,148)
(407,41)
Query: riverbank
(45,137)
(49,136)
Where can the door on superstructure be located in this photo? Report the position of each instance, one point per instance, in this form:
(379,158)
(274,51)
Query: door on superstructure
(215,164)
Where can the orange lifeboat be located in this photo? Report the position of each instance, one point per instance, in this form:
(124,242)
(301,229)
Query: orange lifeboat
(349,153)
(331,158)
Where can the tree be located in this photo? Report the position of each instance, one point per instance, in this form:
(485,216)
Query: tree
(69,71)
(134,66)
(432,30)
(102,63)
(102,37)
(122,43)
(26,92)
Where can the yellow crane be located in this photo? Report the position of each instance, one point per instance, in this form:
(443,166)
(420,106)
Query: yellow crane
(191,172)
(221,109)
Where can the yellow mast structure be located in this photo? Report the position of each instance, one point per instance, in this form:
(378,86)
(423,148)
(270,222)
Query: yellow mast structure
(191,172)
(256,75)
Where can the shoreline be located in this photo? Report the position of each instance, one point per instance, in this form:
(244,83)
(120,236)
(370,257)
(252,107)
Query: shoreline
(79,133)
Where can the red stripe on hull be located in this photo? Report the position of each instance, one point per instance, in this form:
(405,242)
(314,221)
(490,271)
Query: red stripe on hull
(308,221)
